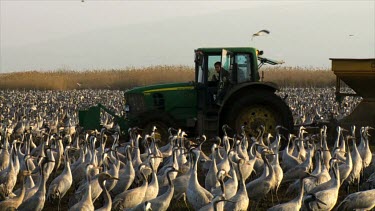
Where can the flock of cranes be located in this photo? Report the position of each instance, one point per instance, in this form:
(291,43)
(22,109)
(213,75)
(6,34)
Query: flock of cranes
(45,161)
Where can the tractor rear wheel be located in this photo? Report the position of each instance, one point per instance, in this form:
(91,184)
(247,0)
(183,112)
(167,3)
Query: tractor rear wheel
(259,108)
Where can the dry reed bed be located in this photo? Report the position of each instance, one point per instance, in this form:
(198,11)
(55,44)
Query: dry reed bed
(299,76)
(131,77)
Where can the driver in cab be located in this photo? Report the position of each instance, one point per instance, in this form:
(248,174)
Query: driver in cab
(218,70)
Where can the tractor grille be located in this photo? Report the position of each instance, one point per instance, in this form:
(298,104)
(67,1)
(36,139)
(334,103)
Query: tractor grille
(136,103)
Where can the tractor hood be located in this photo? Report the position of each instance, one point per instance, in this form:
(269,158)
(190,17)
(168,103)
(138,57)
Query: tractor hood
(161,88)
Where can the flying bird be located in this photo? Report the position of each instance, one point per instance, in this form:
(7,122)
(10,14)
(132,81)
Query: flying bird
(260,33)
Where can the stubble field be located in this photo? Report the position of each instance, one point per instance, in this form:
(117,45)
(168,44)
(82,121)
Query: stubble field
(310,91)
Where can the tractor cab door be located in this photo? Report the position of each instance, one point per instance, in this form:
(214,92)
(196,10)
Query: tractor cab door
(226,74)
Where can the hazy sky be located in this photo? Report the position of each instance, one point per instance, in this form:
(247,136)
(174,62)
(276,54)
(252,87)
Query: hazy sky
(70,34)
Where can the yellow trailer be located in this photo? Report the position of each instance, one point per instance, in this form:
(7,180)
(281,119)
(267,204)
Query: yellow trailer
(358,74)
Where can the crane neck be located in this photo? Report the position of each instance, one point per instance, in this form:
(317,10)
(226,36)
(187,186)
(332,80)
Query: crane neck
(20,197)
(42,182)
(106,196)
(301,193)
(87,196)
(318,164)
(348,160)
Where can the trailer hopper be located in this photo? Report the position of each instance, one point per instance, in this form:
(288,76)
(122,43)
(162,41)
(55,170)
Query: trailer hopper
(358,74)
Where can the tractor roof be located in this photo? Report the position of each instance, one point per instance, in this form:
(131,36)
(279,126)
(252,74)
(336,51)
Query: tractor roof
(232,49)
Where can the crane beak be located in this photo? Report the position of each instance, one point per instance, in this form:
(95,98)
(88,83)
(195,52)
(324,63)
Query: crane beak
(320,201)
(228,175)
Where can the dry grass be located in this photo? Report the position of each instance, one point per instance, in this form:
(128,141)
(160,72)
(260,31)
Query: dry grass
(130,77)
(299,77)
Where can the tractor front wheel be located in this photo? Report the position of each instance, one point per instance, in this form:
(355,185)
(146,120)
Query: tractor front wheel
(162,130)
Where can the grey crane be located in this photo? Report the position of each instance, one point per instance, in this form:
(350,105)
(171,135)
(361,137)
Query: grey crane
(4,153)
(61,184)
(196,194)
(324,199)
(259,187)
(279,174)
(126,175)
(215,205)
(210,179)
(357,166)
(224,164)
(324,146)
(260,33)
(240,201)
(153,186)
(8,176)
(14,203)
(364,147)
(347,167)
(319,175)
(299,170)
(231,185)
(363,200)
(102,177)
(295,204)
(85,204)
(162,177)
(289,161)
(162,202)
(36,201)
(132,197)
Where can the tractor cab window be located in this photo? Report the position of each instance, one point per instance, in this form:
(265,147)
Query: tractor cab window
(212,73)
(243,67)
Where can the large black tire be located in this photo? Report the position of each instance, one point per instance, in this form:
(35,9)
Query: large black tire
(257,108)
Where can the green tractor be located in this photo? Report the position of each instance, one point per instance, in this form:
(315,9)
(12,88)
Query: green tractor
(238,98)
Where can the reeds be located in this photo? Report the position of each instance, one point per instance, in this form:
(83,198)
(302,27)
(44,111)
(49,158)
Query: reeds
(131,77)
(299,77)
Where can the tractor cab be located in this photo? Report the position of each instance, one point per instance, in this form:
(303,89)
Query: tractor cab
(236,66)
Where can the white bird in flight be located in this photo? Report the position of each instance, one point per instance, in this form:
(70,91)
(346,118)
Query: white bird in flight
(260,33)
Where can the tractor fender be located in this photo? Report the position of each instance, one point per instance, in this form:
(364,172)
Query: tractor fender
(242,89)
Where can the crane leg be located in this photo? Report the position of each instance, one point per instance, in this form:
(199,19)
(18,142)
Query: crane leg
(58,206)
(183,196)
(358,184)
(277,197)
(347,187)
(256,205)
